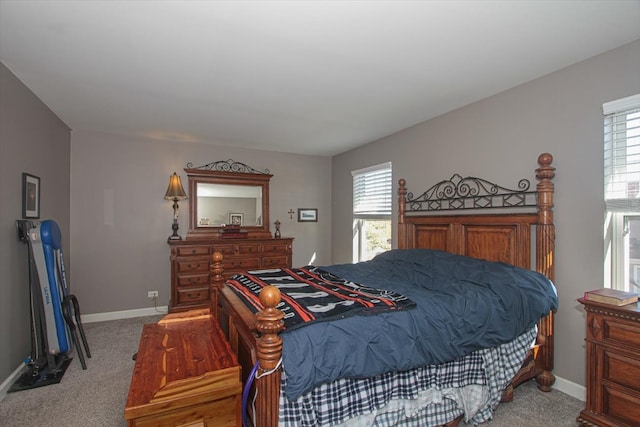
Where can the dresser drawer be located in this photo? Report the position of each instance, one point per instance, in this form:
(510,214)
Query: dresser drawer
(247,249)
(225,250)
(192,266)
(183,251)
(241,264)
(193,295)
(281,248)
(275,262)
(193,280)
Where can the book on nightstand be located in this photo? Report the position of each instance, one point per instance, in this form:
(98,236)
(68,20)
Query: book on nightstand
(611,296)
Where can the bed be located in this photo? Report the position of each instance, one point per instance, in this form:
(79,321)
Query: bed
(501,238)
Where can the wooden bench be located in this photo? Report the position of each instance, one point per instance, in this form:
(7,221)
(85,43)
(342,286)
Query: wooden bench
(185,375)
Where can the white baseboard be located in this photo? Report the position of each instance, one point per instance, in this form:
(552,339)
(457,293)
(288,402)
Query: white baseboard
(125,314)
(572,389)
(6,385)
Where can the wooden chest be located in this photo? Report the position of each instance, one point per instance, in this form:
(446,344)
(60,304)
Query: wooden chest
(185,375)
(613,365)
(191,261)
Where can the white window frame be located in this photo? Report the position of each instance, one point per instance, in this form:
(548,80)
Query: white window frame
(617,212)
(380,211)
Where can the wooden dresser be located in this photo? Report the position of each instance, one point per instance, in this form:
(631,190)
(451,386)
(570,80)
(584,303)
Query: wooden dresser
(613,365)
(185,375)
(191,265)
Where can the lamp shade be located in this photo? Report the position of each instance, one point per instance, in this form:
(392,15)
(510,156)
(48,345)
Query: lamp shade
(175,190)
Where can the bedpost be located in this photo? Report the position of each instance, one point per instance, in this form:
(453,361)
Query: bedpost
(402,206)
(269,351)
(545,260)
(217,282)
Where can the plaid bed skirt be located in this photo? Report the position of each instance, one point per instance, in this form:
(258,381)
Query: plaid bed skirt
(427,396)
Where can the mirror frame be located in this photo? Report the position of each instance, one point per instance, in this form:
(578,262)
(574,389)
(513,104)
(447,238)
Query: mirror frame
(226,172)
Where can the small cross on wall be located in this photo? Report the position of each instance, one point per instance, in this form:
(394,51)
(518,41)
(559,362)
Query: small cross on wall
(291,212)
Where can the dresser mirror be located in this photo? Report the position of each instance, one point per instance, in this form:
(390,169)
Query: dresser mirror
(227,194)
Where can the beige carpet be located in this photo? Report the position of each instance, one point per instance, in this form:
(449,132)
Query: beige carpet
(96,397)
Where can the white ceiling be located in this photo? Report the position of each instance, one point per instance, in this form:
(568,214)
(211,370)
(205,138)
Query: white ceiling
(309,77)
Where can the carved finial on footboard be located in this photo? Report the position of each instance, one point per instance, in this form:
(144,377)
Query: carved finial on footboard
(269,350)
(269,323)
(545,260)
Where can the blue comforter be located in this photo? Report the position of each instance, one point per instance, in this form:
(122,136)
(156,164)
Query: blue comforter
(462,304)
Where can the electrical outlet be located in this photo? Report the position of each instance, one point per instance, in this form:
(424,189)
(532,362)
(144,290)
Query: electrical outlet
(152,294)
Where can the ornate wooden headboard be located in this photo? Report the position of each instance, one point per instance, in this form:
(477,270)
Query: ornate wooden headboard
(499,236)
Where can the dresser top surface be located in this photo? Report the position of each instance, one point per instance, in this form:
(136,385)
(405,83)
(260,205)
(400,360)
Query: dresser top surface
(225,241)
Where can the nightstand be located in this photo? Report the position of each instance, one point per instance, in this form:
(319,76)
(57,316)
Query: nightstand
(613,365)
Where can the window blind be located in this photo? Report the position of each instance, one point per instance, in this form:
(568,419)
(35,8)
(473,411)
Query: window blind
(372,191)
(622,154)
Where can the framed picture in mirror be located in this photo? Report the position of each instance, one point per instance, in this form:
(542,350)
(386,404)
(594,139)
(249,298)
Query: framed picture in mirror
(236,219)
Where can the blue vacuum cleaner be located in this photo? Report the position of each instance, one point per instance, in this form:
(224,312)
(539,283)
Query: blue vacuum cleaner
(55,313)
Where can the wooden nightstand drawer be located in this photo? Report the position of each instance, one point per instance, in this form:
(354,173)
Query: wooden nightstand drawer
(196,280)
(617,331)
(192,295)
(192,266)
(621,405)
(192,250)
(620,369)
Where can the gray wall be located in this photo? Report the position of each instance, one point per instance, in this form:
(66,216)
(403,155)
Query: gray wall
(33,140)
(121,220)
(500,139)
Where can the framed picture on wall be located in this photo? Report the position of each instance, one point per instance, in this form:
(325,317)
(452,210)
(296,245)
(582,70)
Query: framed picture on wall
(30,196)
(307,215)
(236,219)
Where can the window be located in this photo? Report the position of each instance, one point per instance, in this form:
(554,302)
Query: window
(621,193)
(371,211)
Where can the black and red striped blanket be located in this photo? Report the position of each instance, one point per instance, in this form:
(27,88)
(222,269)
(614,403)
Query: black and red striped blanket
(310,294)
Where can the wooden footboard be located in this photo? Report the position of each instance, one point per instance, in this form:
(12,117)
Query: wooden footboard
(255,339)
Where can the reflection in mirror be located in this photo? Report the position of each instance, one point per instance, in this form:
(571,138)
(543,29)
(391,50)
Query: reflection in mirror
(218,202)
